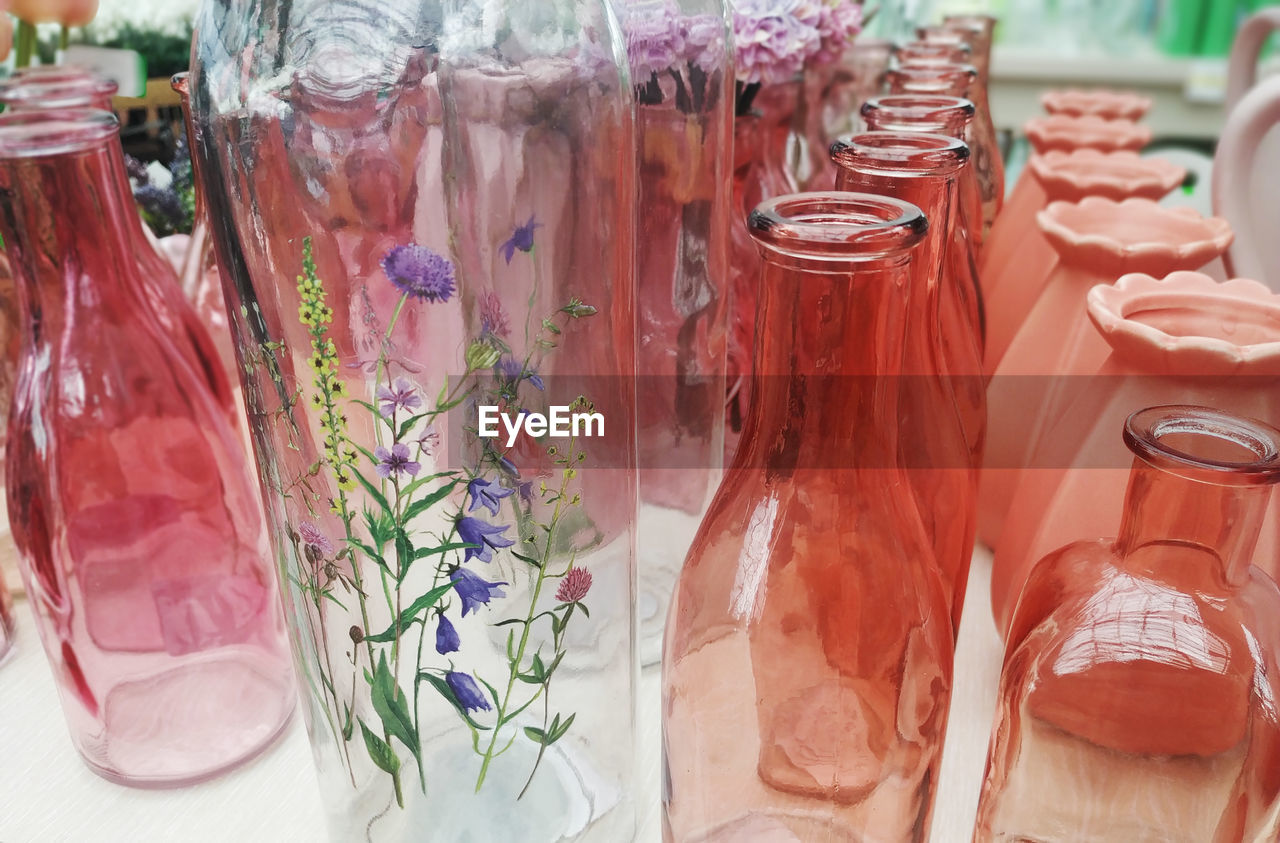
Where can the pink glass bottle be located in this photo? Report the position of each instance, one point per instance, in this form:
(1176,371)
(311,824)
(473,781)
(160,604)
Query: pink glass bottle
(71,91)
(945,116)
(130,500)
(807,664)
(1137,700)
(1182,339)
(943,403)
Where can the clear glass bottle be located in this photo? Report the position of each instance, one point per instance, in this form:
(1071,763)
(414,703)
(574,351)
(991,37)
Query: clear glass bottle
(807,664)
(1137,700)
(143,548)
(941,423)
(420,212)
(682,72)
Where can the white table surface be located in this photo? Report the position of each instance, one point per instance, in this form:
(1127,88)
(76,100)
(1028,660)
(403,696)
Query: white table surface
(48,796)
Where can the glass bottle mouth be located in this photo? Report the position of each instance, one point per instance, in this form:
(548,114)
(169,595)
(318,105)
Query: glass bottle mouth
(940,35)
(41,133)
(901,153)
(1200,443)
(74,92)
(917,110)
(47,73)
(926,52)
(180,82)
(932,78)
(837,226)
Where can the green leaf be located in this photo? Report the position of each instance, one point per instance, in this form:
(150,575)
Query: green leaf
(424,552)
(373,492)
(404,551)
(389,702)
(559,732)
(423,504)
(444,392)
(348,727)
(536,735)
(550,326)
(371,553)
(379,751)
(415,609)
(529,559)
(407,424)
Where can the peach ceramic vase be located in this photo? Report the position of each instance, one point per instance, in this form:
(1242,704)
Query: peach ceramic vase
(1138,696)
(1185,339)
(1065,132)
(944,116)
(1097,240)
(808,656)
(1017,258)
(1099,102)
(941,424)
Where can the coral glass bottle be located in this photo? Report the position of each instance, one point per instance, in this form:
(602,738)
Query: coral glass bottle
(130,500)
(1140,675)
(807,662)
(942,400)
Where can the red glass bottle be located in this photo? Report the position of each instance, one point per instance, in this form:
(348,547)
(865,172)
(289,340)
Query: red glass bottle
(744,277)
(130,500)
(944,116)
(807,666)
(70,91)
(941,422)
(962,80)
(1140,677)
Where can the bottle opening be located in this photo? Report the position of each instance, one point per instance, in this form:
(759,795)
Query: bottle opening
(837,226)
(32,134)
(932,78)
(74,92)
(1205,444)
(917,153)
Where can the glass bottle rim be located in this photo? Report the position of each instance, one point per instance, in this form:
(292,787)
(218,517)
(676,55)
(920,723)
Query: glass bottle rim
(70,92)
(932,77)
(41,133)
(918,154)
(928,52)
(181,82)
(921,108)
(940,34)
(837,225)
(1204,444)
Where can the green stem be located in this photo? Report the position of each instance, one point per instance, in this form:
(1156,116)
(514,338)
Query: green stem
(524,637)
(25,44)
(64,38)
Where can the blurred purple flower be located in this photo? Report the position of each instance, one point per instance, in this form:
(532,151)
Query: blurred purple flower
(401,395)
(447,640)
(487,493)
(313,538)
(655,38)
(419,272)
(774,38)
(466,691)
(485,536)
(395,461)
(474,591)
(521,238)
(839,22)
(429,440)
(704,41)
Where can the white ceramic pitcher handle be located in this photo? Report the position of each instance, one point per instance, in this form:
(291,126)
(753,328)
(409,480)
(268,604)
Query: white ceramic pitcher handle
(1242,68)
(1235,185)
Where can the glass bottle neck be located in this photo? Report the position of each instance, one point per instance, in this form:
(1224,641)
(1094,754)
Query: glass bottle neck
(828,353)
(82,231)
(1163,508)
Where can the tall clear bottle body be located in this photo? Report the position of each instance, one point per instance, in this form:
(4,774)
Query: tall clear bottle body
(425,214)
(681,66)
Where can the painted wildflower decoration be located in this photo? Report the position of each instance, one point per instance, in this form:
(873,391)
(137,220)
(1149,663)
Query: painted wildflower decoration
(385,494)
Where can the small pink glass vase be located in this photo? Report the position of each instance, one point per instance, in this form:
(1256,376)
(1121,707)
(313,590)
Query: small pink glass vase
(73,90)
(1098,102)
(1137,699)
(1016,262)
(808,655)
(1066,132)
(1185,339)
(130,498)
(1097,240)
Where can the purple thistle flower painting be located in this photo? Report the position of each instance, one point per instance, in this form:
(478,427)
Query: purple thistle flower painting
(487,493)
(314,539)
(487,538)
(493,318)
(474,590)
(401,395)
(395,461)
(521,238)
(447,640)
(466,691)
(419,272)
